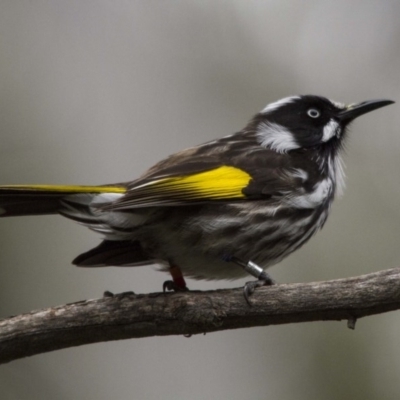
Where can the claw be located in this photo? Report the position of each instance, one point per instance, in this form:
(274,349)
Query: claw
(253,269)
(249,288)
(168,286)
(119,296)
(171,286)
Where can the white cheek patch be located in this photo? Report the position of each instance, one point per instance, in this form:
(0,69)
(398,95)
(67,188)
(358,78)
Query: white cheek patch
(276,137)
(331,129)
(279,103)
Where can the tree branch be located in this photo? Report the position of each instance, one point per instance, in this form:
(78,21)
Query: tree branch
(128,315)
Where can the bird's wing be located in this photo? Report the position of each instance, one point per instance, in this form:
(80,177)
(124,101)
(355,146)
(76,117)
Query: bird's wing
(186,179)
(223,182)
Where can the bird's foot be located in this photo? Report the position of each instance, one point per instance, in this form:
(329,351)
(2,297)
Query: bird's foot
(249,288)
(169,286)
(177,284)
(253,269)
(107,293)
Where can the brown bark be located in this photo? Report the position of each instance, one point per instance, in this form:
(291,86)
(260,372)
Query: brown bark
(128,315)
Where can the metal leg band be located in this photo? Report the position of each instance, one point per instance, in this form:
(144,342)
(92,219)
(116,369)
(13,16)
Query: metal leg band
(250,267)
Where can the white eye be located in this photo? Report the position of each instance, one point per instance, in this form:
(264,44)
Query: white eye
(313,113)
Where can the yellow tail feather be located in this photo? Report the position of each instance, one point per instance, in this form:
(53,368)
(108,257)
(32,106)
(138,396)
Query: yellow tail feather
(66,188)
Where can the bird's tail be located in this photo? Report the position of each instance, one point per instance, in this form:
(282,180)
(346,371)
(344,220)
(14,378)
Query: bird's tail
(75,202)
(18,200)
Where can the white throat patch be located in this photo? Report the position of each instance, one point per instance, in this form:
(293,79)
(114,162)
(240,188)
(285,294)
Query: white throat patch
(276,137)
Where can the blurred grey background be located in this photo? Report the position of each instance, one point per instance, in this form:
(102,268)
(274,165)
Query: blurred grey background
(97,91)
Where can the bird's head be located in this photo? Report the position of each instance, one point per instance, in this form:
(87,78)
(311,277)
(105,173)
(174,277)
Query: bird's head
(305,121)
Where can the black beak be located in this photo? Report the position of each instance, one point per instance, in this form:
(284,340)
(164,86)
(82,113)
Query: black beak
(354,111)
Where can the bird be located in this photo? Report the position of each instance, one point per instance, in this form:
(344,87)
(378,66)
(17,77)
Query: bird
(220,210)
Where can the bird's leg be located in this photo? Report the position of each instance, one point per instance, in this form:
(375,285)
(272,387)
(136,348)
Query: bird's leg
(177,284)
(253,269)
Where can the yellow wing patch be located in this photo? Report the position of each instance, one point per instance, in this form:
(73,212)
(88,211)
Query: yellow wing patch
(224,182)
(66,188)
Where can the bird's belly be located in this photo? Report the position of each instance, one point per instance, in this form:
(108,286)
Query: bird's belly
(198,241)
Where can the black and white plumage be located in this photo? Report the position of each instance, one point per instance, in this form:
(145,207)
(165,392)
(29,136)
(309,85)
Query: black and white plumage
(256,195)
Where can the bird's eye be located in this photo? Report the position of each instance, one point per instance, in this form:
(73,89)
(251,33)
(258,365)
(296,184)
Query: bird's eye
(313,113)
